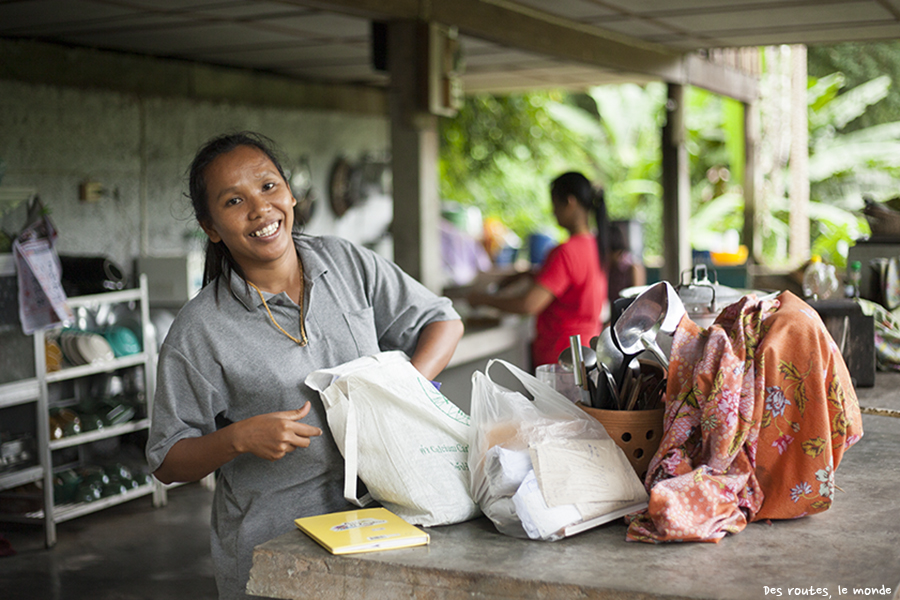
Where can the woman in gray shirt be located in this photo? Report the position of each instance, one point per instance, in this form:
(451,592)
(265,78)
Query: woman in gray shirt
(277,306)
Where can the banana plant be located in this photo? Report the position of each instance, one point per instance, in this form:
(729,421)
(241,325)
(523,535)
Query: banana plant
(618,130)
(844,167)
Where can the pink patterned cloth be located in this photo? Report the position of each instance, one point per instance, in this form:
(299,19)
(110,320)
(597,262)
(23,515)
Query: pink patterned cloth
(760,409)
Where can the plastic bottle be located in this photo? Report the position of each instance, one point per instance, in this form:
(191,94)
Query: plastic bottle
(819,280)
(854,276)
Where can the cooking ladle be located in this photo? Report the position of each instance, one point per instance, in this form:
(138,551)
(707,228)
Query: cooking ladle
(607,353)
(588,357)
(637,327)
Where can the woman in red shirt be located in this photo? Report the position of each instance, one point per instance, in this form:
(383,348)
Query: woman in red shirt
(569,291)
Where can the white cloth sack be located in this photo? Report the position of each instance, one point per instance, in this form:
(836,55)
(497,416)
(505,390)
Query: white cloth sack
(543,468)
(407,442)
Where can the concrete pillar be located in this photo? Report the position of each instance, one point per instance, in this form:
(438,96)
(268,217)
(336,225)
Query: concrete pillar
(414,155)
(676,189)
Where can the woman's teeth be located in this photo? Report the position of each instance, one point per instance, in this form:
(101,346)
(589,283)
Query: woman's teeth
(267,230)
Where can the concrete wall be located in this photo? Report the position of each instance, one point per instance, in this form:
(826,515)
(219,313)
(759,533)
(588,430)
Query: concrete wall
(139,146)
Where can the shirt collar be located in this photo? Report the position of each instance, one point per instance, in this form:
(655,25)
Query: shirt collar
(308,248)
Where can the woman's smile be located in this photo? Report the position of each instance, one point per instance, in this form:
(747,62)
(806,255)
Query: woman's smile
(266,231)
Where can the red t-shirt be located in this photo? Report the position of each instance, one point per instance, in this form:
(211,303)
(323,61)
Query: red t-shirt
(573,275)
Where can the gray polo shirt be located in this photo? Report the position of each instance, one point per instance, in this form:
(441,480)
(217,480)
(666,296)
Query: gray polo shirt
(223,360)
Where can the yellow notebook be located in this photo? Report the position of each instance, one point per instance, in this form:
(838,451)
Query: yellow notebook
(363,530)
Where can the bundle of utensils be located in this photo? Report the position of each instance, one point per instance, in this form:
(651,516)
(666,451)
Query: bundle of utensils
(609,372)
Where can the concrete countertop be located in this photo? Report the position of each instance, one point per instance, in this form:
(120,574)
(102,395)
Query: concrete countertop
(852,545)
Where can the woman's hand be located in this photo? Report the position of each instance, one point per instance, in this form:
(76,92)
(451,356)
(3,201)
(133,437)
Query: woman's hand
(271,436)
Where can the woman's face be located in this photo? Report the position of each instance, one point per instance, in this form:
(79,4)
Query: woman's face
(250,206)
(562,208)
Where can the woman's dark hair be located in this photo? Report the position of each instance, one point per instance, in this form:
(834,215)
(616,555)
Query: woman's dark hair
(592,200)
(218,258)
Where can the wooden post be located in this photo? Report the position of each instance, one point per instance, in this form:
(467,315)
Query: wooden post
(751,185)
(799,161)
(676,189)
(414,156)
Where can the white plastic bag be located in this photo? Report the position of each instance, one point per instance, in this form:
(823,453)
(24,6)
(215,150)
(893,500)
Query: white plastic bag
(544,469)
(407,442)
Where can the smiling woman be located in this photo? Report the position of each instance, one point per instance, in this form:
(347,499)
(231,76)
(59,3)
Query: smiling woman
(276,305)
(251,214)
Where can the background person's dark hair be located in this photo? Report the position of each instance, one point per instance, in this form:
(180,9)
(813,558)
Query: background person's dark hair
(592,199)
(617,239)
(219,260)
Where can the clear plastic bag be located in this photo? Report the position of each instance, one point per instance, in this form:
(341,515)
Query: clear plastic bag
(543,468)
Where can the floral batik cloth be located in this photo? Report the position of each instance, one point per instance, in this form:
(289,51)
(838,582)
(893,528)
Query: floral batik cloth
(759,411)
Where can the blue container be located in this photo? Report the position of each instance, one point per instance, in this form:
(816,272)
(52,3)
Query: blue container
(506,256)
(539,245)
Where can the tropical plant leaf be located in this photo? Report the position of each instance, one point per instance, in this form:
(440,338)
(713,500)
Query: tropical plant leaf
(846,157)
(576,120)
(886,132)
(851,104)
(638,187)
(711,215)
(733,128)
(823,90)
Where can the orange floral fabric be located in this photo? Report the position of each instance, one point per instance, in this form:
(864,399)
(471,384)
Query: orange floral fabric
(760,409)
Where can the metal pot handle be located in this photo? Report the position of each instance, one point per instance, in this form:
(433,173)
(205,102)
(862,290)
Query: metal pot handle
(700,278)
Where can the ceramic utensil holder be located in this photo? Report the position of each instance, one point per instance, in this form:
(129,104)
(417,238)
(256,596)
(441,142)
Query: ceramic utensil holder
(637,432)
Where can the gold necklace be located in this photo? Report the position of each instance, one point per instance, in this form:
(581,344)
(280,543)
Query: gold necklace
(301,342)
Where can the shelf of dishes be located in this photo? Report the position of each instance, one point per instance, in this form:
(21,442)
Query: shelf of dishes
(78,492)
(77,352)
(99,434)
(64,512)
(95,418)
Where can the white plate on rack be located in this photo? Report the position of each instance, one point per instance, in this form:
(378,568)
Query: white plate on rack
(94,348)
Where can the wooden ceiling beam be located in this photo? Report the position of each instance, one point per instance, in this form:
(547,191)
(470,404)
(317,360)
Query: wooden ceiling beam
(544,34)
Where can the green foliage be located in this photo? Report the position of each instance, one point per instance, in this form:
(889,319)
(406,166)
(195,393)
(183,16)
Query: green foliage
(618,131)
(715,143)
(845,164)
(858,63)
(854,149)
(501,153)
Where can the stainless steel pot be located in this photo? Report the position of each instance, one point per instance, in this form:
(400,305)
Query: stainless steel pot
(703,298)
